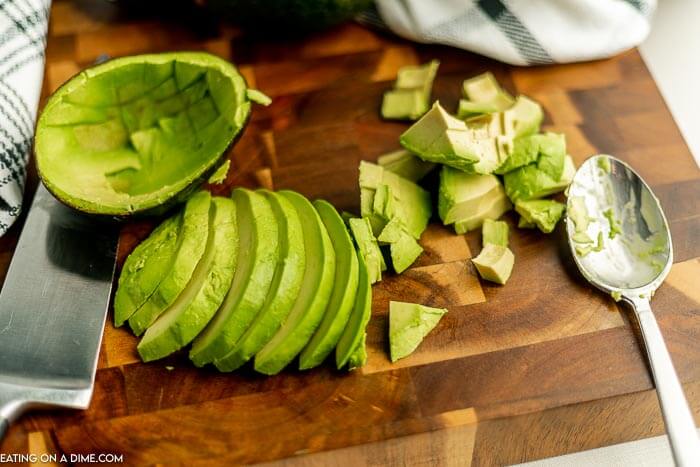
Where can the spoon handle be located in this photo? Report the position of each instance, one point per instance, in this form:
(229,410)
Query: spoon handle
(680,425)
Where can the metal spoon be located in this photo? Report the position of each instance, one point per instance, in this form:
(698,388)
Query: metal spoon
(631,265)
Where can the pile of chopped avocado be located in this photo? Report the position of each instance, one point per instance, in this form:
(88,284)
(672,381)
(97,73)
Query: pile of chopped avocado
(495,262)
(410,97)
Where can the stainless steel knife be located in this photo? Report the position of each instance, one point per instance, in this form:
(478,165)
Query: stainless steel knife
(52,309)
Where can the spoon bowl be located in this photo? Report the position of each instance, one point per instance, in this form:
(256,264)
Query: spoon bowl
(621,243)
(636,253)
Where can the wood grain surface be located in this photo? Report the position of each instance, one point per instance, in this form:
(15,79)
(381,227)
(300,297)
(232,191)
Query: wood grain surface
(542,366)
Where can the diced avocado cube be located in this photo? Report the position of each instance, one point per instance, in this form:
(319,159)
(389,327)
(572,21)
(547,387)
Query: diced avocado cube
(529,182)
(485,88)
(494,263)
(409,323)
(403,247)
(418,76)
(369,248)
(404,104)
(525,151)
(552,149)
(526,116)
(525,224)
(440,137)
(461,195)
(545,213)
(410,97)
(496,209)
(494,232)
(383,205)
(411,203)
(405,164)
(469,108)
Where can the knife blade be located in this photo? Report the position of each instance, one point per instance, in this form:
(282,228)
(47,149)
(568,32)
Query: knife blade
(53,306)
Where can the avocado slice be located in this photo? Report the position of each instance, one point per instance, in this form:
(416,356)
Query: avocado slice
(411,203)
(483,95)
(135,134)
(145,267)
(409,323)
(194,233)
(494,263)
(344,289)
(310,305)
(354,330)
(284,289)
(369,249)
(529,182)
(196,305)
(258,256)
(494,232)
(405,164)
(358,357)
(544,213)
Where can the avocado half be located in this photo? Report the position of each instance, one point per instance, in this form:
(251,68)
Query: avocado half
(135,135)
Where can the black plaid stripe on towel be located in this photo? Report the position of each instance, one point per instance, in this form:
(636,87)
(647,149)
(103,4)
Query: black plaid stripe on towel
(23,25)
(520,32)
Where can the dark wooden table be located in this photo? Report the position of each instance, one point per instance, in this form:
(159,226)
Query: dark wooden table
(540,367)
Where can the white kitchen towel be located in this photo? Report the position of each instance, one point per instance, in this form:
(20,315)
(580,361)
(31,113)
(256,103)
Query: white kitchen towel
(522,32)
(23,26)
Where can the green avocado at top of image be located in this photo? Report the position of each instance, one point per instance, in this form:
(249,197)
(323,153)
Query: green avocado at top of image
(134,134)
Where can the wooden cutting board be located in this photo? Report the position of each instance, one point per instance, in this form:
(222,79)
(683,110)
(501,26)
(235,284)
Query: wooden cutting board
(542,366)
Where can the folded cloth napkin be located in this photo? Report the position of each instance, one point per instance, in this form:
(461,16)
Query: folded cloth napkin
(23,26)
(522,32)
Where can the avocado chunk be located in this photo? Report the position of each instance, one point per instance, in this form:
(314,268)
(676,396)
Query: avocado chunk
(494,210)
(195,306)
(409,323)
(285,286)
(529,182)
(135,134)
(145,267)
(547,150)
(311,303)
(462,195)
(525,224)
(403,247)
(494,263)
(482,95)
(406,165)
(219,176)
(411,203)
(369,249)
(442,138)
(342,297)
(544,213)
(258,256)
(352,335)
(410,97)
(194,233)
(494,232)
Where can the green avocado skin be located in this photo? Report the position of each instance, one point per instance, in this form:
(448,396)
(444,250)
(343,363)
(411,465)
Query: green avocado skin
(195,229)
(344,289)
(359,317)
(193,309)
(257,260)
(145,267)
(309,307)
(285,287)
